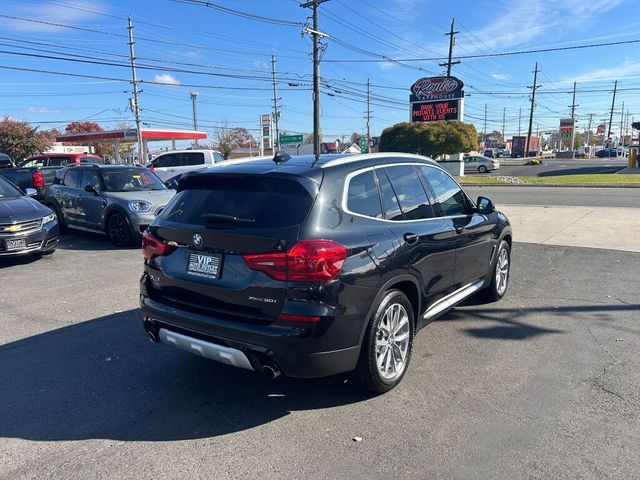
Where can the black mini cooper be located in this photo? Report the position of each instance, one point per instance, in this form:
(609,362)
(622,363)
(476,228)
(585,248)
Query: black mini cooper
(315,268)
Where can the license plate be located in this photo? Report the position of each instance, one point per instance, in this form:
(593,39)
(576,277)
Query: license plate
(203,265)
(15,244)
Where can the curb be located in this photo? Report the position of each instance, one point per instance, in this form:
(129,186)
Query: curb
(550,185)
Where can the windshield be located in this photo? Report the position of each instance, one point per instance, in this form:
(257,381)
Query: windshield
(131,180)
(7,190)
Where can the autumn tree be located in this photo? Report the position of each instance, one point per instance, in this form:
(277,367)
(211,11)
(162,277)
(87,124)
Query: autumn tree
(432,139)
(84,127)
(228,139)
(19,139)
(355,138)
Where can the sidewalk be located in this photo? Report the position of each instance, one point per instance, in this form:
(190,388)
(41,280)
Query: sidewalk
(594,227)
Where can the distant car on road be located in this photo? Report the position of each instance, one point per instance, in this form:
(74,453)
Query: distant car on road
(26,226)
(490,153)
(118,200)
(478,163)
(611,152)
(5,161)
(170,164)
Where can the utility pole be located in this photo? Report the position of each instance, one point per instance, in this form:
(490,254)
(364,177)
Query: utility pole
(194,95)
(621,124)
(276,112)
(573,119)
(504,117)
(533,88)
(368,114)
(315,33)
(613,102)
(589,132)
(484,129)
(520,122)
(452,42)
(142,155)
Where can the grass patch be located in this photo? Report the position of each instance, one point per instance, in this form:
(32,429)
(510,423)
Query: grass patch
(476,179)
(590,179)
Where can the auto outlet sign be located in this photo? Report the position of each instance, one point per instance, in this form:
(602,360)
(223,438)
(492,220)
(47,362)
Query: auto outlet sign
(436,98)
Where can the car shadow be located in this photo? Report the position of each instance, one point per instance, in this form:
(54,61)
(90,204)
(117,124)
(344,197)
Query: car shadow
(519,323)
(76,240)
(579,171)
(102,379)
(10,261)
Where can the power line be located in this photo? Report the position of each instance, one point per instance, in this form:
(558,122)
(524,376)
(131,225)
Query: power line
(250,16)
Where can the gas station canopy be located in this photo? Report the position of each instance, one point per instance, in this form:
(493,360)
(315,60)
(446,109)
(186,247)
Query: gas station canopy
(129,135)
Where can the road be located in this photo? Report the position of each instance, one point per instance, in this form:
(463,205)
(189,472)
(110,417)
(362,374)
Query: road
(577,196)
(562,166)
(543,384)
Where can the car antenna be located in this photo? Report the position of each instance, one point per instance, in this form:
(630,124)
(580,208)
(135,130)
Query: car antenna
(281,157)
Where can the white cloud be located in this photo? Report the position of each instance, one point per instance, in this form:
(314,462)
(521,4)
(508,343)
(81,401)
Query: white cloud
(81,11)
(543,18)
(500,76)
(626,70)
(167,79)
(42,110)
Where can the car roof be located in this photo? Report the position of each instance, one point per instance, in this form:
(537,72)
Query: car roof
(188,150)
(308,166)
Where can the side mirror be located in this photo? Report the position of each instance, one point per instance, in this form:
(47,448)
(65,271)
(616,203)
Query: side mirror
(91,188)
(485,205)
(31,192)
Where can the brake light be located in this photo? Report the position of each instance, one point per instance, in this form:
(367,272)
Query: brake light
(37,179)
(306,261)
(152,247)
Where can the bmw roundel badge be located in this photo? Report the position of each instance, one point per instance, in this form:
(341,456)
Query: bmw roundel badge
(197,240)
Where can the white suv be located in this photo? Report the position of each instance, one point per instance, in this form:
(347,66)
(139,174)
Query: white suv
(177,162)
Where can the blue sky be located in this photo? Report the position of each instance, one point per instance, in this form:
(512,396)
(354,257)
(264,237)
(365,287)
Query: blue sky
(184,45)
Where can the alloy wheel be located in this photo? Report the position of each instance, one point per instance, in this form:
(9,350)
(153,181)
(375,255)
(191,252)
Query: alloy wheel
(392,342)
(502,271)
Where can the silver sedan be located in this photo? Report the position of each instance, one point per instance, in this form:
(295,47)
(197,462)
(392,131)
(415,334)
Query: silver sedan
(478,163)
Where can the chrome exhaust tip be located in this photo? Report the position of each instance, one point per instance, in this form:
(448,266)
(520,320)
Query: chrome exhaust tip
(153,338)
(271,371)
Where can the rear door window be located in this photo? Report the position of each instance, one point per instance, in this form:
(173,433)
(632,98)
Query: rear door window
(363,197)
(72,178)
(449,196)
(58,161)
(390,205)
(169,160)
(256,201)
(192,158)
(409,192)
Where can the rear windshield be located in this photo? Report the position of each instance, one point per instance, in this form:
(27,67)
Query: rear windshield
(254,201)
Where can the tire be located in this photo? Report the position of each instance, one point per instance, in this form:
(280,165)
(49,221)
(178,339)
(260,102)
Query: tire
(376,348)
(118,230)
(498,286)
(62,225)
(482,169)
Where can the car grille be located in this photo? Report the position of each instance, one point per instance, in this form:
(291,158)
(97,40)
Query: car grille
(20,228)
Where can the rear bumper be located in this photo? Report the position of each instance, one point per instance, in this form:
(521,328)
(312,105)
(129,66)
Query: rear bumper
(290,348)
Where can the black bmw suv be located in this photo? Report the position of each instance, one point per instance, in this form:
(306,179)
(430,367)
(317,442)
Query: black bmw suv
(315,268)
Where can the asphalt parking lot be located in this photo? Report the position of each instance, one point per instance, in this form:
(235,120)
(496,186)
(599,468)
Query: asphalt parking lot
(544,384)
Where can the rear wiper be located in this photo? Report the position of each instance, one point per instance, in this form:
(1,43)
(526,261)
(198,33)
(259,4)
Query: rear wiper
(219,218)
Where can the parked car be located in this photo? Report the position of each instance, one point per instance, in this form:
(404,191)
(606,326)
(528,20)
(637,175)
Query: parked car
(120,201)
(60,160)
(609,152)
(477,163)
(317,268)
(490,153)
(173,163)
(5,161)
(26,226)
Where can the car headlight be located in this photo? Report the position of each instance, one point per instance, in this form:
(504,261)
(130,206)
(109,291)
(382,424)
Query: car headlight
(140,206)
(49,218)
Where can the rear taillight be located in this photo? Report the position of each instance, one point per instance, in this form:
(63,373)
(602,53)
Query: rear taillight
(306,261)
(37,179)
(152,247)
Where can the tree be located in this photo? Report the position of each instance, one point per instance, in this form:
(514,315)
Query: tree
(228,139)
(83,127)
(429,138)
(355,138)
(578,140)
(19,139)
(495,137)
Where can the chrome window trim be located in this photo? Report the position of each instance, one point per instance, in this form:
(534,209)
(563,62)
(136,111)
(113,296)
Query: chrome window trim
(347,181)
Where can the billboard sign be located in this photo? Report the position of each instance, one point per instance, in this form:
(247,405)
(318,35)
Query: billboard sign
(436,88)
(434,111)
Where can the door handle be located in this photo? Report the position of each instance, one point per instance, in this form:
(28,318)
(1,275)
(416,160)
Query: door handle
(410,238)
(459,228)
